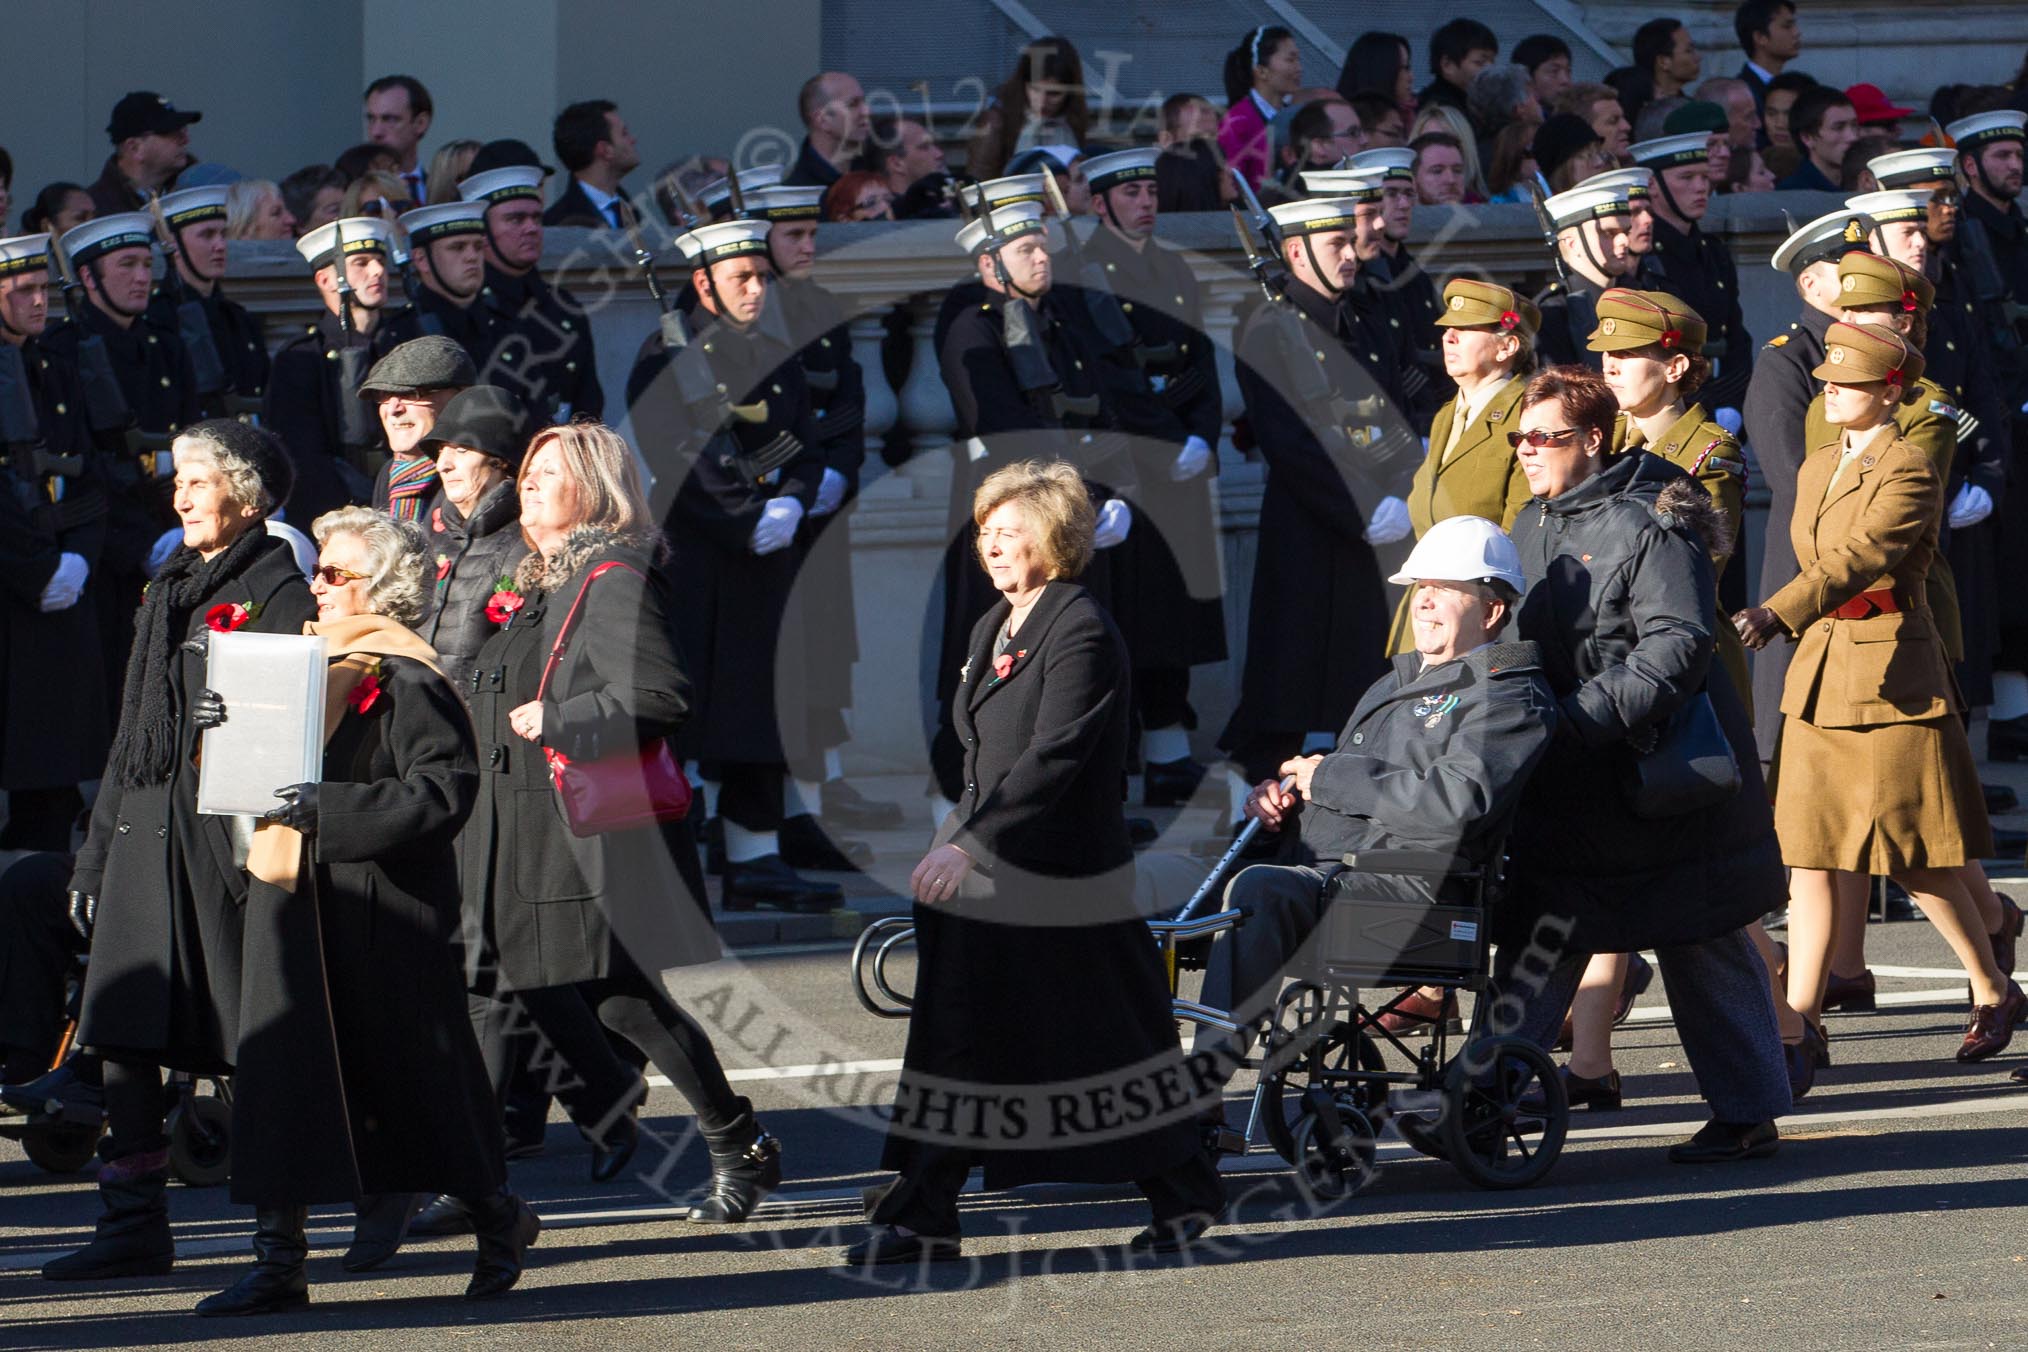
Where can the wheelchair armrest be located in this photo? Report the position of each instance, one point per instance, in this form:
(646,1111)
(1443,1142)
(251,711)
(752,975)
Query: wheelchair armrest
(1417,863)
(1203,927)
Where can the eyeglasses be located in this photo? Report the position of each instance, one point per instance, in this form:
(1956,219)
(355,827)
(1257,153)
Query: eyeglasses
(331,575)
(1539,437)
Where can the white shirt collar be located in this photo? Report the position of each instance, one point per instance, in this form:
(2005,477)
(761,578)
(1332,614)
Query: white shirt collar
(599,197)
(1766,76)
(1267,110)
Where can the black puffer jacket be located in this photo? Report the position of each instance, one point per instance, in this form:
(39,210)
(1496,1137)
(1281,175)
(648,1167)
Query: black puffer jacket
(466,558)
(1620,600)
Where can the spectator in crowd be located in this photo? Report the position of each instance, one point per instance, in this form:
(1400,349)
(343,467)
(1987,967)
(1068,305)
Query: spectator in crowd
(1510,165)
(1771,38)
(1875,111)
(151,146)
(473,521)
(398,112)
(1379,64)
(859,196)
(1699,115)
(1749,172)
(312,196)
(58,208)
(1824,127)
(1457,52)
(448,167)
(833,108)
(596,148)
(1261,75)
(1066,165)
(380,194)
(677,186)
(1321,133)
(1567,151)
(1742,111)
(1665,52)
(1185,118)
(1655,115)
(1443,120)
(1600,107)
(902,153)
(1381,120)
(1190,173)
(1500,95)
(1042,103)
(366,158)
(1784,154)
(1634,91)
(1439,169)
(254,209)
(1853,175)
(1547,60)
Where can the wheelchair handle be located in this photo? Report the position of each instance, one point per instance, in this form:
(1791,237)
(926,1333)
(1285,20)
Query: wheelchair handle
(1225,861)
(882,937)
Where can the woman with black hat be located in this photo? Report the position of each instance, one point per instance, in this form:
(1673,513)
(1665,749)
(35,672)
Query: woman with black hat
(164,984)
(473,524)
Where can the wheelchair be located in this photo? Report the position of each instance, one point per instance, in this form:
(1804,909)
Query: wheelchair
(1323,1092)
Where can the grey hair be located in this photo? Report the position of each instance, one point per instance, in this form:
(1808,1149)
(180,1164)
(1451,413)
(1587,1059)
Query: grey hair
(242,480)
(1494,93)
(394,585)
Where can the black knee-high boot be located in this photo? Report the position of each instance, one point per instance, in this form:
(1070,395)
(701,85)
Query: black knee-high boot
(746,1165)
(133,1238)
(276,1280)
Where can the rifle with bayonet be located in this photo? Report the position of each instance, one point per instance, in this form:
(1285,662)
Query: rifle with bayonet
(1116,332)
(357,437)
(1547,224)
(193,326)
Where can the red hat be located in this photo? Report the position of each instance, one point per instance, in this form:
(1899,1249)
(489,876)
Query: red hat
(1872,106)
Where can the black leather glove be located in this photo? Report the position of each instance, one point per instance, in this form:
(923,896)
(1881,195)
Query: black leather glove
(298,808)
(84,913)
(197,647)
(207,710)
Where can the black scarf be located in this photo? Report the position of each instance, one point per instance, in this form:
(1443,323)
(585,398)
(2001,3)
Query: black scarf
(144,748)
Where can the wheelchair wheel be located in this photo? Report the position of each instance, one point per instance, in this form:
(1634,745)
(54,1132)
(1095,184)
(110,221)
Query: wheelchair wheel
(62,1147)
(1505,1113)
(1334,1149)
(1295,1060)
(200,1141)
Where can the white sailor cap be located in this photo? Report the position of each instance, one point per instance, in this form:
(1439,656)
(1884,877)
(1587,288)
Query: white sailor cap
(503,184)
(101,235)
(1825,240)
(427,225)
(1639,182)
(1672,152)
(1354,185)
(784,204)
(1395,162)
(1893,204)
(999,226)
(714,243)
(1925,164)
(1316,215)
(1003,192)
(1587,202)
(2002,124)
(718,192)
(354,234)
(1121,166)
(24,253)
(192,205)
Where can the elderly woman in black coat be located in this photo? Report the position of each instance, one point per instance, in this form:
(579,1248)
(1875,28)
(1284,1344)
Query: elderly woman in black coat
(474,542)
(1621,601)
(156,884)
(358,1074)
(557,924)
(1041,1043)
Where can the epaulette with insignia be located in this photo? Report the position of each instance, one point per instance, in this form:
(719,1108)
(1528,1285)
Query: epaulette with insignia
(1777,340)
(1720,462)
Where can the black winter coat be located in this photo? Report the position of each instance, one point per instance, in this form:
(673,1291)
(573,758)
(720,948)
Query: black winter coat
(546,904)
(1620,600)
(467,556)
(357,1069)
(1040,975)
(236,335)
(540,346)
(164,982)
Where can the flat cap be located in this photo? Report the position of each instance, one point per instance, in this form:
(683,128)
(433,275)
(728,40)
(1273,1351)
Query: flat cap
(431,362)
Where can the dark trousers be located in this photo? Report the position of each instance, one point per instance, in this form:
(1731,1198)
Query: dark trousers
(38,947)
(1162,697)
(749,793)
(925,1198)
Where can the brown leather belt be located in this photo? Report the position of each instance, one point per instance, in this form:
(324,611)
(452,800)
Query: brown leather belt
(1868,604)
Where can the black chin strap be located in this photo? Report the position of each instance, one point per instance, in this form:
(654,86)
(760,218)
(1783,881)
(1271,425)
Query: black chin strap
(1330,288)
(105,297)
(1007,279)
(1584,241)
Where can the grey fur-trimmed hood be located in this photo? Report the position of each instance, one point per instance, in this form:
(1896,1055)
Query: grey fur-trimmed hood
(1684,505)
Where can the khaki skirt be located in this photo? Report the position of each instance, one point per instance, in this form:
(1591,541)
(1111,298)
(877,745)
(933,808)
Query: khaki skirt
(1879,800)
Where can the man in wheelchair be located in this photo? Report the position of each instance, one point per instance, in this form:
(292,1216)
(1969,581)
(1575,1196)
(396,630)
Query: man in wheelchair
(1434,758)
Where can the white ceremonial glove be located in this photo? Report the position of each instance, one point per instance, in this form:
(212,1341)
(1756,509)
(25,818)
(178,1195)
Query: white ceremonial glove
(1388,523)
(1191,460)
(777,525)
(1115,519)
(1972,505)
(1729,419)
(830,493)
(66,584)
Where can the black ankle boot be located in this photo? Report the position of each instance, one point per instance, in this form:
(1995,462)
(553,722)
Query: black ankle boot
(381,1228)
(506,1227)
(276,1281)
(746,1165)
(133,1238)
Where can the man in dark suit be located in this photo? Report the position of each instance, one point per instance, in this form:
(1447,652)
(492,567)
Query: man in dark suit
(597,150)
(833,108)
(1771,38)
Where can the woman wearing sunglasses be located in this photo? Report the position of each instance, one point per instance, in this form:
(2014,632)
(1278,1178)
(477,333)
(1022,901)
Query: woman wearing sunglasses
(357,1073)
(1621,600)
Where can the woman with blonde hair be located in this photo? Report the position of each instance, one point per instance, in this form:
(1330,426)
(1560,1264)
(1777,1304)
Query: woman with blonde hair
(254,209)
(1024,912)
(1453,123)
(376,194)
(584,667)
(452,162)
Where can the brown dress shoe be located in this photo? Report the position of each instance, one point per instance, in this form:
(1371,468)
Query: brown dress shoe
(1992,1026)
(1853,994)
(1417,1013)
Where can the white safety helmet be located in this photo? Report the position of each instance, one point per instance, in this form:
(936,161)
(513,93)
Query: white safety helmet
(1463,549)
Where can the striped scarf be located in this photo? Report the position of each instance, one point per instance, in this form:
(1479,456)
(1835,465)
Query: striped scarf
(408,483)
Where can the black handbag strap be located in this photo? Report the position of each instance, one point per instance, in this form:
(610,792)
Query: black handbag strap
(570,619)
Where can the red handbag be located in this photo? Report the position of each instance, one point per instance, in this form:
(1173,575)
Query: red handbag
(618,792)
